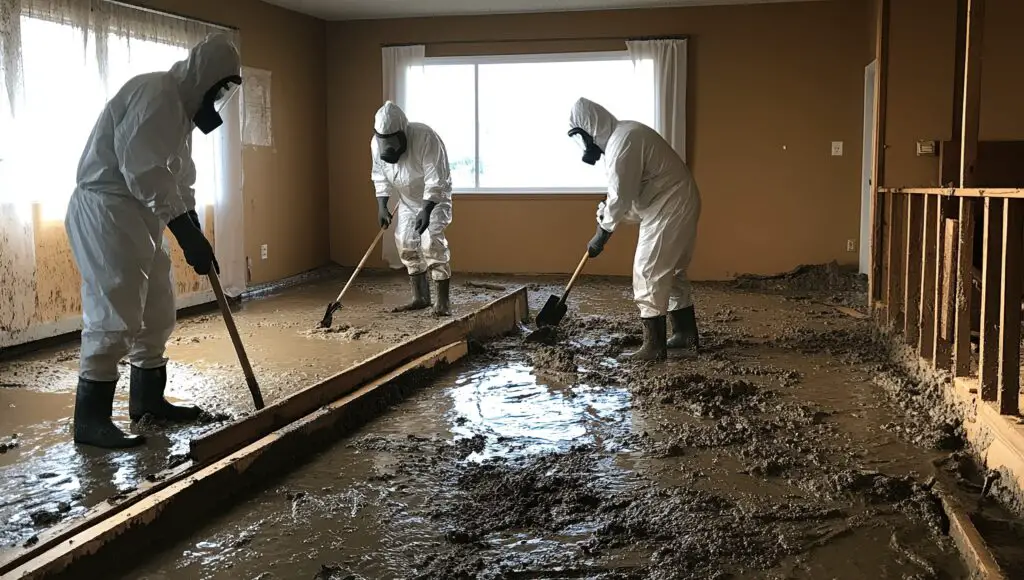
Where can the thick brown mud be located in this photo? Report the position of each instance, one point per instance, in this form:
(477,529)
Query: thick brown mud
(46,479)
(783,450)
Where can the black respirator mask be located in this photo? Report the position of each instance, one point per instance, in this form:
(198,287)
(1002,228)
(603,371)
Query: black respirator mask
(391,146)
(591,152)
(208,118)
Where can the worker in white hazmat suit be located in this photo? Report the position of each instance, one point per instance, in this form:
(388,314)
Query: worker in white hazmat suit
(647,183)
(135,179)
(410,162)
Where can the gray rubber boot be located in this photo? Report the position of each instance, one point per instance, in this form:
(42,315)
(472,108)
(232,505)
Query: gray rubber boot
(420,294)
(94,403)
(146,397)
(654,347)
(684,329)
(442,306)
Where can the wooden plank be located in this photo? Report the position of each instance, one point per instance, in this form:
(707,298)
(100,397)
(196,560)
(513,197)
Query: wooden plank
(914,257)
(121,540)
(941,351)
(971,104)
(926,342)
(877,179)
(964,272)
(1009,308)
(894,260)
(972,547)
(991,280)
(949,261)
(499,317)
(1000,192)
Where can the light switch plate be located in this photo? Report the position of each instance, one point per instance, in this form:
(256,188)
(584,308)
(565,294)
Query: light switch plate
(837,148)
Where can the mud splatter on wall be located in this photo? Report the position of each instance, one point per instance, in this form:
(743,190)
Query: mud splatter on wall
(39,283)
(17,268)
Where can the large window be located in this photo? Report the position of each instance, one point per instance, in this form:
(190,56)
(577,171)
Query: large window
(504,119)
(63,95)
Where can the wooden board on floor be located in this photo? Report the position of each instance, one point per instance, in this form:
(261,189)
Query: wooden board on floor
(122,537)
(499,317)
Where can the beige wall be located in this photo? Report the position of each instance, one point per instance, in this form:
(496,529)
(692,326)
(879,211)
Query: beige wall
(771,86)
(285,187)
(920,103)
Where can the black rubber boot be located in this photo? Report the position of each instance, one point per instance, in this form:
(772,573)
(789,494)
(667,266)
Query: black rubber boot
(654,341)
(420,294)
(684,329)
(146,397)
(442,307)
(94,402)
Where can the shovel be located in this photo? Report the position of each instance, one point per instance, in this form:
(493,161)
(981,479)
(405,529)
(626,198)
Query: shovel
(336,305)
(236,340)
(554,310)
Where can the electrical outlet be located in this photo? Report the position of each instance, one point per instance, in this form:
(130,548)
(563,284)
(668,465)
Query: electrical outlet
(263,252)
(851,246)
(837,148)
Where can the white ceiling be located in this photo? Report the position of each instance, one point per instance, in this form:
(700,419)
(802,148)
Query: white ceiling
(368,9)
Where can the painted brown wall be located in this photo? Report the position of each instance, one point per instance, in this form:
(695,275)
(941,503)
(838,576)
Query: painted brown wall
(285,187)
(770,87)
(920,102)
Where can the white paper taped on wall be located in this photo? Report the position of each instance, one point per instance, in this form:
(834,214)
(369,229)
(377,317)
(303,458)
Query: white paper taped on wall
(256,123)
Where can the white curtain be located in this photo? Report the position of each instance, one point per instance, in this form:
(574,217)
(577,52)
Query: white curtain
(399,63)
(669,59)
(60,61)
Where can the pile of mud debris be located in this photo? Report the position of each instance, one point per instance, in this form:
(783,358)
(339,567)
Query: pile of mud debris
(730,466)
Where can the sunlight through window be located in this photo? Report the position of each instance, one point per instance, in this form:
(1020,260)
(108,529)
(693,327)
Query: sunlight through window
(504,119)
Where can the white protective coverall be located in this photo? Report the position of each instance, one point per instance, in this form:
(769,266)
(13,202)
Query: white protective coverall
(647,182)
(136,175)
(421,175)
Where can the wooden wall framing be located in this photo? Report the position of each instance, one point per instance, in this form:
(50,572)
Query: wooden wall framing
(924,240)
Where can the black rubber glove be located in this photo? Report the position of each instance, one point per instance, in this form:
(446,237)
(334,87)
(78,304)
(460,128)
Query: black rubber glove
(596,245)
(195,219)
(423,219)
(383,215)
(197,249)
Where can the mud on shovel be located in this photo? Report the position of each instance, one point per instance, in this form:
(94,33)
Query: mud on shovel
(554,310)
(336,305)
(236,340)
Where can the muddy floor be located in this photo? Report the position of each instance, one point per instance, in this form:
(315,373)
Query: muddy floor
(790,447)
(46,479)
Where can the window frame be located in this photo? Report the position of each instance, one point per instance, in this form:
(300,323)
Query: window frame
(595,56)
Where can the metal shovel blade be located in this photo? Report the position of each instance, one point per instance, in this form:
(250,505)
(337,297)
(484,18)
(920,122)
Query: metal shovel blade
(329,315)
(552,313)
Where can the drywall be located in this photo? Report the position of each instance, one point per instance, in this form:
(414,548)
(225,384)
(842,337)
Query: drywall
(920,103)
(771,86)
(285,186)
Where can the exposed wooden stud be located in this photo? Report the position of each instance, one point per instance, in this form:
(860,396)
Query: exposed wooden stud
(974,11)
(876,281)
(962,306)
(926,342)
(894,260)
(991,278)
(941,351)
(1009,308)
(951,227)
(499,316)
(912,283)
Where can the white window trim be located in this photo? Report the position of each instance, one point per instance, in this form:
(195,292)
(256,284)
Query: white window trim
(612,55)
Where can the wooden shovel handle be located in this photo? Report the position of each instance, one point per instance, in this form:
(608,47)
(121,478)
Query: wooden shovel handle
(236,340)
(361,263)
(576,274)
